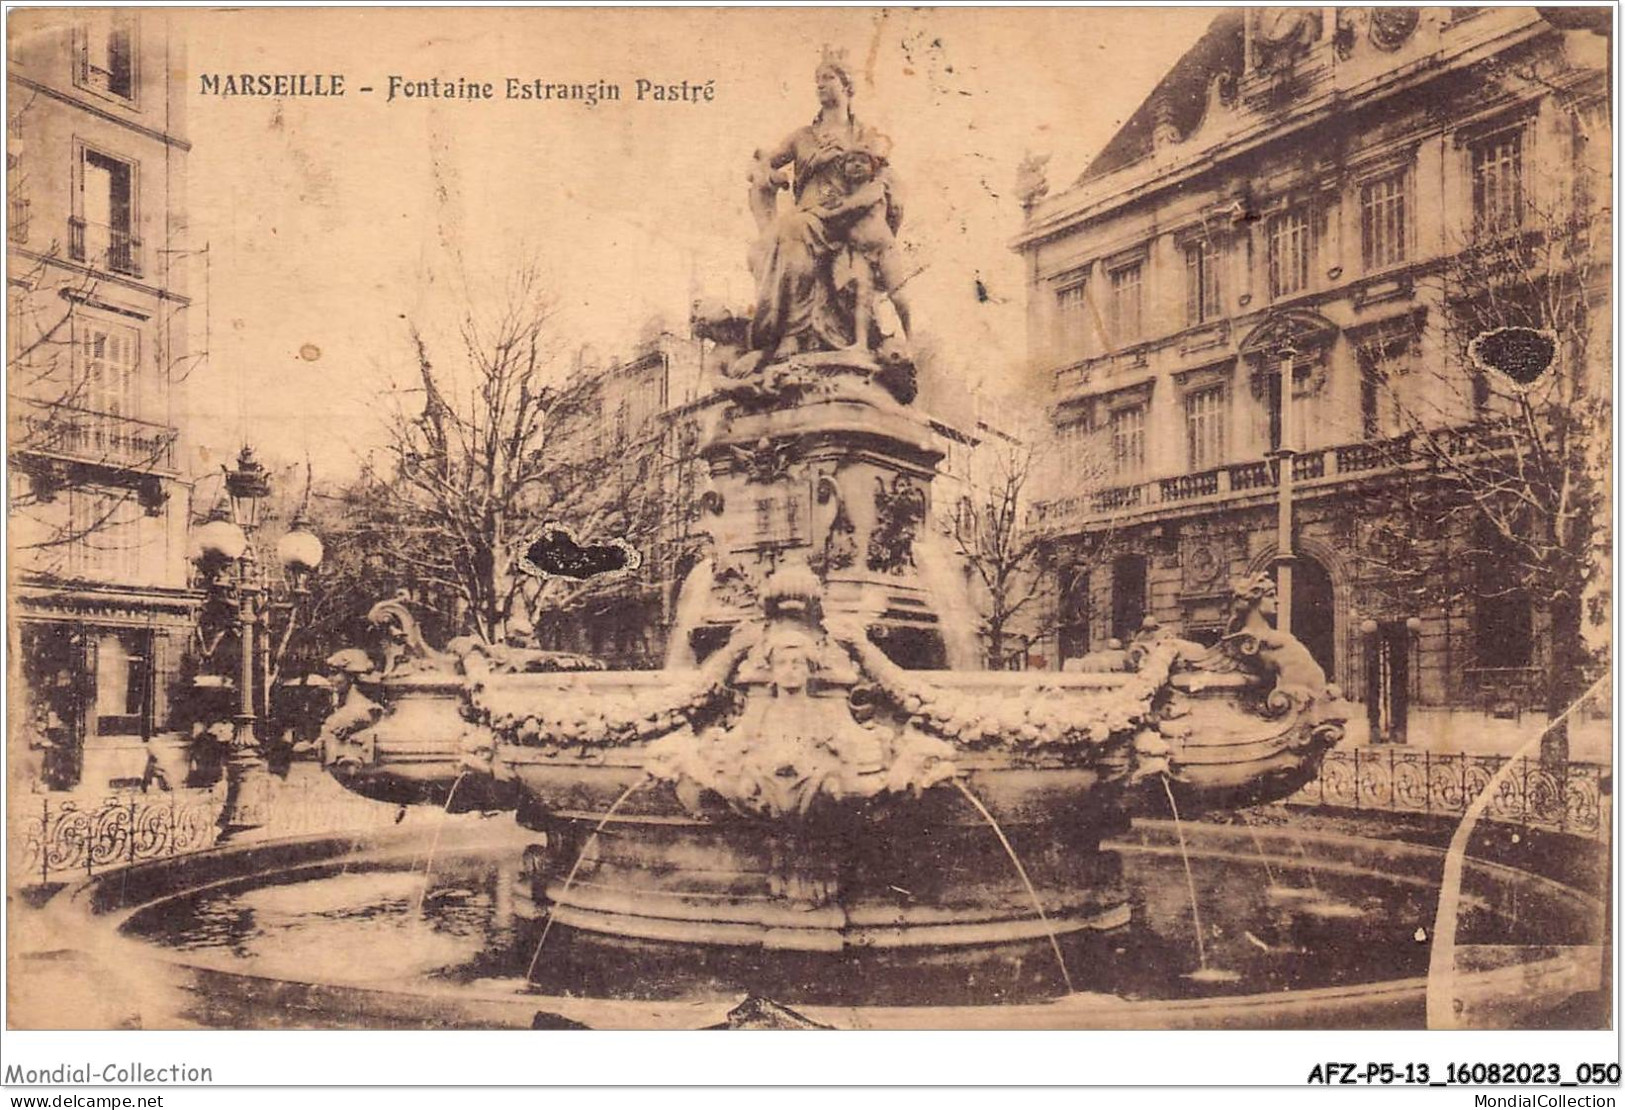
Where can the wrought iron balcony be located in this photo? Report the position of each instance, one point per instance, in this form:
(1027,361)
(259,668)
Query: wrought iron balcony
(53,429)
(99,245)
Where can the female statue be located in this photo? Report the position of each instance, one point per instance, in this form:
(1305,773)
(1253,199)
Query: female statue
(845,200)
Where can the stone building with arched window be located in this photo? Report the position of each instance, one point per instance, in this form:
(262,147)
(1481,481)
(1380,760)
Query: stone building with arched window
(1320,181)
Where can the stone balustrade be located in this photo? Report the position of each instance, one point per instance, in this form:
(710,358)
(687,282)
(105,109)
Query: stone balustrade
(1320,465)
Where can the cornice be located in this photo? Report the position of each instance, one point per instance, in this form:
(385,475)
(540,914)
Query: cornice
(101,113)
(163,293)
(40,597)
(1262,133)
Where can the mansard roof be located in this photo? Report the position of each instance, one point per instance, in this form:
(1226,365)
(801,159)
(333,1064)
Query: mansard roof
(1184,89)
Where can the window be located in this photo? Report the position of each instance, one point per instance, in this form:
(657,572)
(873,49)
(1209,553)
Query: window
(102,230)
(1204,427)
(1371,407)
(1503,626)
(1073,627)
(1382,221)
(1504,630)
(1125,304)
(1201,283)
(110,371)
(1306,398)
(1291,237)
(1498,182)
(107,53)
(1071,321)
(1382,362)
(1128,440)
(622,422)
(16,179)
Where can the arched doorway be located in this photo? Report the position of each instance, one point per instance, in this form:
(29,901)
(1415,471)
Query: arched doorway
(1314,614)
(1128,595)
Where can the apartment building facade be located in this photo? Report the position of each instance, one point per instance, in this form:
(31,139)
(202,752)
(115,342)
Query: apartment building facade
(623,446)
(99,344)
(1302,186)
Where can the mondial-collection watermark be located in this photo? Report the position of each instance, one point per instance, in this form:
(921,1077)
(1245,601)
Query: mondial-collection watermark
(1544,1102)
(69,1075)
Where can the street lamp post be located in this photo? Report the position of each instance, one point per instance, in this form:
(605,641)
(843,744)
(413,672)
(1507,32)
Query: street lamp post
(1284,455)
(229,543)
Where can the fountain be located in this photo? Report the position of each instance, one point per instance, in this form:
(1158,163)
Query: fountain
(819,798)
(820,769)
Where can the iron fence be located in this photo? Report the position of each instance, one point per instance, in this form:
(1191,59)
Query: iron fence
(54,837)
(1571,798)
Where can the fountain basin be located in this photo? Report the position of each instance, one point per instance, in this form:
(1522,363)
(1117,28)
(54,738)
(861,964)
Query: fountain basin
(798,832)
(1312,931)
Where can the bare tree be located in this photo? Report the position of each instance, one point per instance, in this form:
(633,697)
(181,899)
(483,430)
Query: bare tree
(468,464)
(633,479)
(1019,567)
(1501,456)
(363,532)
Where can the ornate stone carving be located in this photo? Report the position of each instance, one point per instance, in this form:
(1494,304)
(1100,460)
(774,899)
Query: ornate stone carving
(1283,35)
(346,739)
(767,461)
(403,647)
(1204,566)
(899,511)
(1253,643)
(1391,27)
(840,548)
(797,739)
(1387,28)
(1032,182)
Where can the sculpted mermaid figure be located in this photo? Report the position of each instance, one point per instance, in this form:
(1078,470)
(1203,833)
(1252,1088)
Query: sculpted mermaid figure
(845,201)
(1252,633)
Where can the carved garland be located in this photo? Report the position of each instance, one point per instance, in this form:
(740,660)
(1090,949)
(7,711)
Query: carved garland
(612,720)
(1033,724)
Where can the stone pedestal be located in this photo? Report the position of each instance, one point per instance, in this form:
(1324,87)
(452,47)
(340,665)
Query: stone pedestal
(820,464)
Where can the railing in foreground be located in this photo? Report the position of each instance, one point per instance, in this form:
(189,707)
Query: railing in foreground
(1571,798)
(57,836)
(62,836)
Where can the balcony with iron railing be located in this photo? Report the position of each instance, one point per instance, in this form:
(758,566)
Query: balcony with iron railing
(103,246)
(1315,468)
(57,430)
